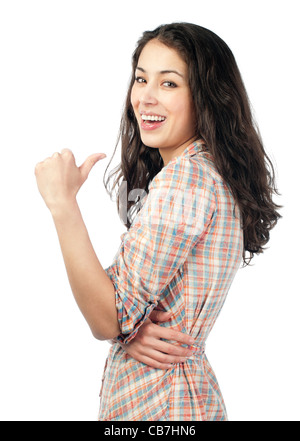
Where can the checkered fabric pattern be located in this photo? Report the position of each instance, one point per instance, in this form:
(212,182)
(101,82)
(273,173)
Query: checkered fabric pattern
(181,254)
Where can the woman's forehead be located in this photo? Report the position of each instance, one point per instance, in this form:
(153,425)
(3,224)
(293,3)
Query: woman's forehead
(158,57)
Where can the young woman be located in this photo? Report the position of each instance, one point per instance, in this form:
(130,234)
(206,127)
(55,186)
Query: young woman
(198,201)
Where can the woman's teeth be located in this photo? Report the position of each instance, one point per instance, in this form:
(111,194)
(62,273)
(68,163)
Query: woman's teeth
(153,118)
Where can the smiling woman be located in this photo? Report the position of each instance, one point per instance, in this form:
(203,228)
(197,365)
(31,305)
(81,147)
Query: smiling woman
(189,144)
(187,130)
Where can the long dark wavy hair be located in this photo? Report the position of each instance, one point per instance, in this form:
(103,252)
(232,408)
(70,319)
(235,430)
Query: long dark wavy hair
(224,122)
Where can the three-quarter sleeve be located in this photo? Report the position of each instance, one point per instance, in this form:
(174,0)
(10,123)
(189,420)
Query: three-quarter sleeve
(175,215)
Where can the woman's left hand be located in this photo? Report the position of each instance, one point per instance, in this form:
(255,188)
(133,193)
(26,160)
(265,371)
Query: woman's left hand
(148,348)
(59,179)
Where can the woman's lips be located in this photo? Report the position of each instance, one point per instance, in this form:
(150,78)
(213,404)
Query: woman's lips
(151,125)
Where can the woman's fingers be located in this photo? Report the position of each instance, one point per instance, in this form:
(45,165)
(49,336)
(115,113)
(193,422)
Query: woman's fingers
(151,336)
(153,363)
(89,163)
(167,333)
(171,349)
(172,334)
(166,358)
(152,357)
(66,151)
(150,345)
(159,359)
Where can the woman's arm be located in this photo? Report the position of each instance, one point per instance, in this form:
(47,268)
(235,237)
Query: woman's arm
(59,180)
(92,288)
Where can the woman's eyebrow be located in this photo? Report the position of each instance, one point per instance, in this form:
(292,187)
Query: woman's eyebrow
(167,71)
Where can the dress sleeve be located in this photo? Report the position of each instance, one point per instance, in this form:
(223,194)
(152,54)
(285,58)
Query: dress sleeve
(174,217)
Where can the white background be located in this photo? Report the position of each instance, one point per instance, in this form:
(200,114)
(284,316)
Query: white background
(65,67)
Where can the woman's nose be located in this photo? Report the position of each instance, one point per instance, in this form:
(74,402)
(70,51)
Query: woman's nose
(148,95)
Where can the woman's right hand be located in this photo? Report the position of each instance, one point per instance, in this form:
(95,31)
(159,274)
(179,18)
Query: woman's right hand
(147,346)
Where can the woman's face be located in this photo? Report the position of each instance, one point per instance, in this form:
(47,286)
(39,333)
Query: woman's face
(162,100)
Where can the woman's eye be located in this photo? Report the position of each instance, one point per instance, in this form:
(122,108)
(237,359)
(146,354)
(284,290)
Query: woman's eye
(140,80)
(169,84)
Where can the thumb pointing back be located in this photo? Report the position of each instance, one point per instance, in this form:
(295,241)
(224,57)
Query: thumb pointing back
(89,163)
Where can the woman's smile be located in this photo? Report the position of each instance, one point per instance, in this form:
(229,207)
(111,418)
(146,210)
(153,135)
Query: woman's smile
(151,121)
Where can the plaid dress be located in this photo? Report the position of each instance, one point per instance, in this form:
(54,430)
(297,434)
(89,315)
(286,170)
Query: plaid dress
(181,253)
